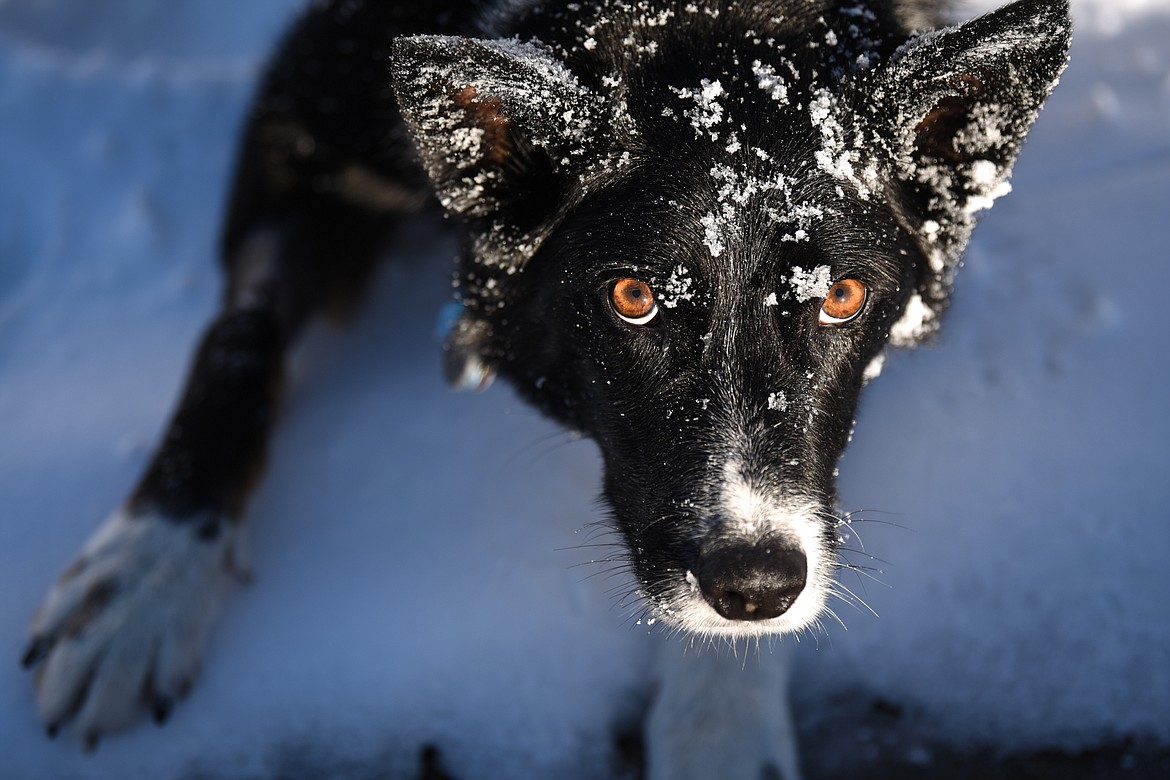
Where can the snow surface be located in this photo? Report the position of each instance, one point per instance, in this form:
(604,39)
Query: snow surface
(416,548)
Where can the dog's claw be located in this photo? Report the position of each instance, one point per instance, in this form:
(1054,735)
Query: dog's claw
(160,709)
(36,651)
(90,742)
(52,730)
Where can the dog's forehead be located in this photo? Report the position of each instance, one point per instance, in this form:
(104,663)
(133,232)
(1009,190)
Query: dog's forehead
(752,135)
(726,69)
(742,219)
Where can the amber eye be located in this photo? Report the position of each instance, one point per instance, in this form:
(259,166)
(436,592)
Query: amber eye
(845,300)
(633,301)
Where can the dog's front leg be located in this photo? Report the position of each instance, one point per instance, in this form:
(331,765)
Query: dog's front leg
(124,627)
(720,715)
(323,178)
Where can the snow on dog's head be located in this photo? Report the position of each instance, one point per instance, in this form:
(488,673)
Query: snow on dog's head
(694,253)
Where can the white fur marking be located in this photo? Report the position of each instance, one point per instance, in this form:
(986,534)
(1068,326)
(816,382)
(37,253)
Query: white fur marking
(751,513)
(166,589)
(721,716)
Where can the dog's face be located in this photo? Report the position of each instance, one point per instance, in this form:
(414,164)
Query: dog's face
(719,370)
(696,255)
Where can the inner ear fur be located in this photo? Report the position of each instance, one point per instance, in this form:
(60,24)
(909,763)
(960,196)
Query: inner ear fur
(957,104)
(972,92)
(497,124)
(936,133)
(487,115)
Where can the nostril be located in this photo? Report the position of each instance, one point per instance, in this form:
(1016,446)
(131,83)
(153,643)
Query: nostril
(752,582)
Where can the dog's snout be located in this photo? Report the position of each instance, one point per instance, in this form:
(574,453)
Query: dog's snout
(752,581)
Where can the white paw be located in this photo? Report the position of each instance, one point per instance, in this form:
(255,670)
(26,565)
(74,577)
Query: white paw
(123,629)
(717,715)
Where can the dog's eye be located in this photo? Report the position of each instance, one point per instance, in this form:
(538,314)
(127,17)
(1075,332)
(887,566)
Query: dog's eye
(845,301)
(633,301)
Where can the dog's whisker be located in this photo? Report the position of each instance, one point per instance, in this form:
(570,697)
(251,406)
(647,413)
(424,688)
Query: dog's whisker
(605,574)
(864,571)
(863,553)
(599,536)
(621,593)
(855,514)
(841,563)
(851,521)
(845,599)
(601,528)
(597,562)
(857,535)
(854,596)
(660,519)
(591,546)
(621,590)
(845,528)
(549,443)
(629,599)
(854,519)
(831,613)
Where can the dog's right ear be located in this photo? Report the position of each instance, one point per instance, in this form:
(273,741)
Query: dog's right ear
(958,103)
(499,126)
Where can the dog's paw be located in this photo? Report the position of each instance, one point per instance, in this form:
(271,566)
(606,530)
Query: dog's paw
(721,716)
(122,631)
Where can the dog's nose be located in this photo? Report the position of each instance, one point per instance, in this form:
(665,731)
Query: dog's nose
(752,582)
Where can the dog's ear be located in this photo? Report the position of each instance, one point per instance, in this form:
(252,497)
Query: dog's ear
(506,134)
(958,103)
(498,125)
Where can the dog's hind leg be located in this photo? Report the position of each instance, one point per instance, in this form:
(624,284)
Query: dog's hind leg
(323,176)
(719,714)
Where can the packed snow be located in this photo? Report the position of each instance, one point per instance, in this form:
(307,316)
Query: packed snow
(807,285)
(417,551)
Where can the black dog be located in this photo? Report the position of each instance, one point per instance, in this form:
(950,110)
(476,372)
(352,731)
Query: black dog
(692,228)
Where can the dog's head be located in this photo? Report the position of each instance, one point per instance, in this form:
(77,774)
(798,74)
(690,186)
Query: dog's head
(693,231)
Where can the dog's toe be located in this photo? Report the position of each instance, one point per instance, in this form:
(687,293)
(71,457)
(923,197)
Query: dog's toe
(123,630)
(160,709)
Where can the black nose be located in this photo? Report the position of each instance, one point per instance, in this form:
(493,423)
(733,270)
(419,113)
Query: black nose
(752,582)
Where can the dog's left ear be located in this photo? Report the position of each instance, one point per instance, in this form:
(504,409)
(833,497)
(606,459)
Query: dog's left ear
(506,134)
(958,103)
(499,126)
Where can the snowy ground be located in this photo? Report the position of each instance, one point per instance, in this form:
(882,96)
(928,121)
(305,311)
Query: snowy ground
(1023,462)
